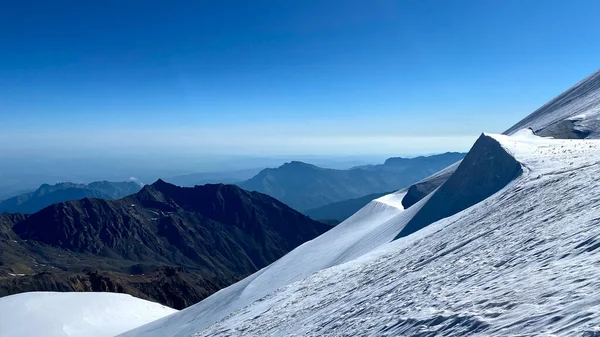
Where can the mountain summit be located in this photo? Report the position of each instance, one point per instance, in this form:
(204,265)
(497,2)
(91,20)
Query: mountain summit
(47,195)
(193,241)
(304,186)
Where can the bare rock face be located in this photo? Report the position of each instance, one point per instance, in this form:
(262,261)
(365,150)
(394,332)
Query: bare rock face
(166,243)
(486,169)
(565,129)
(421,189)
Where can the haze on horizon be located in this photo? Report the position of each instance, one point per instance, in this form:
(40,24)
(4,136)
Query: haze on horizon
(166,85)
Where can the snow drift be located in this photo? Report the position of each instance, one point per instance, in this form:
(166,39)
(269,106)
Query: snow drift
(75,314)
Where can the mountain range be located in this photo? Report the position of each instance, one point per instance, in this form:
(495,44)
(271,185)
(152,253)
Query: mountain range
(169,244)
(503,243)
(47,195)
(224,177)
(304,186)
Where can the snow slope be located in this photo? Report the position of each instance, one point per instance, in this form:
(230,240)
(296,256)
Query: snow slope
(366,236)
(523,262)
(75,314)
(375,224)
(577,108)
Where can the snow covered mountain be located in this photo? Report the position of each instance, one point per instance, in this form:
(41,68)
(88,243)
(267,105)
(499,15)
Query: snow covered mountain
(522,261)
(573,114)
(490,252)
(75,314)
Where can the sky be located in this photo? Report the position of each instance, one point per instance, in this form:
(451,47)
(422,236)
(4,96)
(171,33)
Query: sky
(187,79)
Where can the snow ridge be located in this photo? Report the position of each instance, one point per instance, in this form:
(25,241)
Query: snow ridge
(579,104)
(522,262)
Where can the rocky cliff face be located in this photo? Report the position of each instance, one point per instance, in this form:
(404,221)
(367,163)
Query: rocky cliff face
(197,240)
(486,169)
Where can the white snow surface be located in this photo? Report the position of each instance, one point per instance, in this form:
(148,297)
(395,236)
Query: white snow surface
(580,103)
(73,314)
(523,262)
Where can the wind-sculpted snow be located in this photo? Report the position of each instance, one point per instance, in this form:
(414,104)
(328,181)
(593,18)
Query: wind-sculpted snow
(573,114)
(522,262)
(75,314)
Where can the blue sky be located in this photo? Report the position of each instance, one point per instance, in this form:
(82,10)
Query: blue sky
(281,77)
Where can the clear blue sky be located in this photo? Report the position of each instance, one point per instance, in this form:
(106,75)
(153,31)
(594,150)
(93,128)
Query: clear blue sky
(281,77)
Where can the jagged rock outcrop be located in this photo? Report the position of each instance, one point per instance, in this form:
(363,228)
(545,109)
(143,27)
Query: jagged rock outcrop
(420,190)
(486,169)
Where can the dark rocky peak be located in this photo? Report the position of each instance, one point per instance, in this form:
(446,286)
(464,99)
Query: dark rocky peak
(486,169)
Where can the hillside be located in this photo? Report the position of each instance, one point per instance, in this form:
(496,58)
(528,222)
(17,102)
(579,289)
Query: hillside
(166,243)
(47,195)
(303,186)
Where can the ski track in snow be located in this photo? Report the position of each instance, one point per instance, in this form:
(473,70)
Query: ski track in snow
(523,262)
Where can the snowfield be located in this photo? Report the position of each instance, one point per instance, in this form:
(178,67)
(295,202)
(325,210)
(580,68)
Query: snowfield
(51,314)
(524,262)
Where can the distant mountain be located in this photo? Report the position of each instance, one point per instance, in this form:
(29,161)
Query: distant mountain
(304,186)
(342,210)
(47,195)
(224,177)
(166,243)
